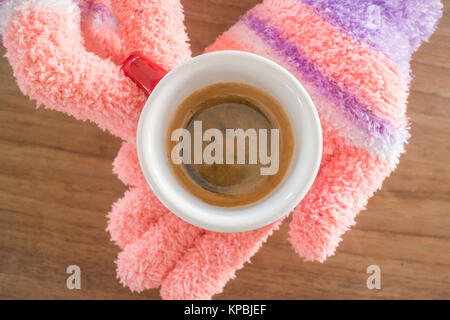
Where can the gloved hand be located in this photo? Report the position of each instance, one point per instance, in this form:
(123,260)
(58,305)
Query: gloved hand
(47,51)
(352,59)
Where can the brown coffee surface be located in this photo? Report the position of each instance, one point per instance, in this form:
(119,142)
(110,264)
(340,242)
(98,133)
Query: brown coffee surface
(225,106)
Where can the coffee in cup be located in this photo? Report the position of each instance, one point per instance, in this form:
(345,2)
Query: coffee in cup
(229,144)
(206,101)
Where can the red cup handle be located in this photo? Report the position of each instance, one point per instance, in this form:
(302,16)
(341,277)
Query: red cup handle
(144,72)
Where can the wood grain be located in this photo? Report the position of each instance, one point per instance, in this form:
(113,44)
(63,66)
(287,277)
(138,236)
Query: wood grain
(56,186)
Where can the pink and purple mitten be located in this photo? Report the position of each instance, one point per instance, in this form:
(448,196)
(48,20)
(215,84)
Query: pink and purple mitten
(353,57)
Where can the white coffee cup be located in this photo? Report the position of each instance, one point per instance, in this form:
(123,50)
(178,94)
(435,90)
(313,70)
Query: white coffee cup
(219,67)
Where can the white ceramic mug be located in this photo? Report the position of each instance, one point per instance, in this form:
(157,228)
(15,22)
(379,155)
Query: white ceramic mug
(219,67)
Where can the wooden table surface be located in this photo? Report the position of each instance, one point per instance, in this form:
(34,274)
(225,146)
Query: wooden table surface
(56,187)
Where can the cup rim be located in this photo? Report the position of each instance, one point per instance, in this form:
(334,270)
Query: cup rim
(194,211)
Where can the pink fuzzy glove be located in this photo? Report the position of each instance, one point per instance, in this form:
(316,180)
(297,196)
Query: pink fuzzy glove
(353,60)
(47,51)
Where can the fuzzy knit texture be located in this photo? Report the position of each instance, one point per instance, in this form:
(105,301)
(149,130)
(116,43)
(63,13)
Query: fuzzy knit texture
(352,57)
